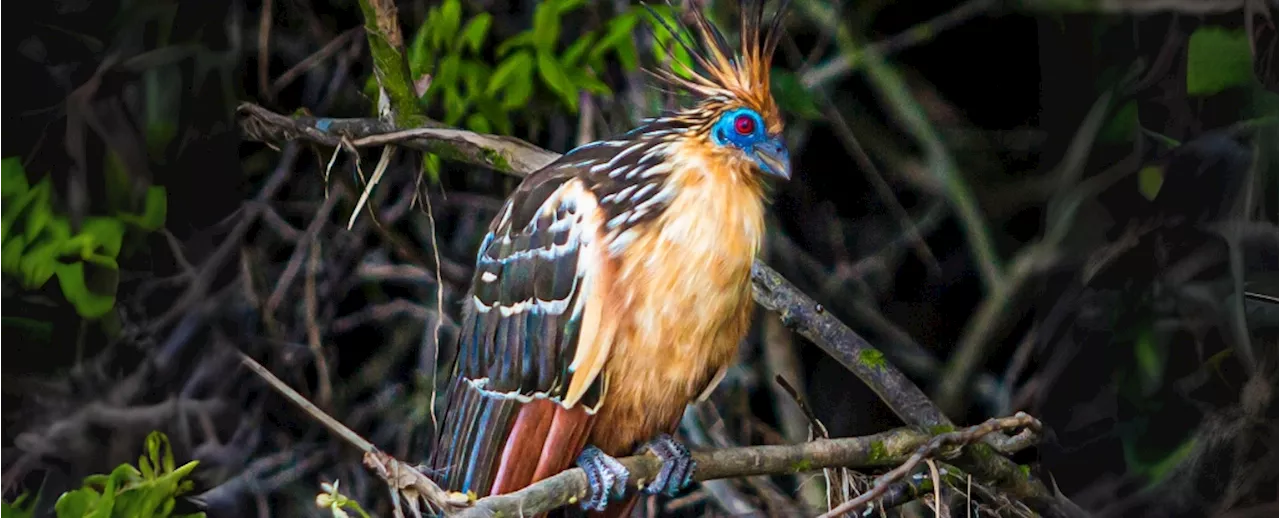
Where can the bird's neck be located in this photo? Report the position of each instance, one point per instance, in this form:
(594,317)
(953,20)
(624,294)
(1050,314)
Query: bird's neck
(719,199)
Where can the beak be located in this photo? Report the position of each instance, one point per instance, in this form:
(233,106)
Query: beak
(773,158)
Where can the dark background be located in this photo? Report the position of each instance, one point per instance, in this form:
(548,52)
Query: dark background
(1006,90)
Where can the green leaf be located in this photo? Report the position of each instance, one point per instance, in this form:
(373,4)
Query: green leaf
(13,178)
(617,35)
(792,96)
(1217,59)
(476,30)
(37,197)
(450,20)
(477,123)
(76,503)
(583,79)
(11,255)
(475,76)
(37,219)
(627,54)
(431,164)
(447,77)
(156,208)
(546,27)
(512,69)
(107,233)
(454,106)
(37,265)
(520,40)
(144,466)
(1150,358)
(88,303)
(555,79)
(417,52)
(495,115)
(160,451)
(577,49)
(1122,124)
(19,507)
(1150,178)
(564,6)
(118,182)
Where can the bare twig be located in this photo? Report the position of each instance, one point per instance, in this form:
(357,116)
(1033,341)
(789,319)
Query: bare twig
(325,391)
(992,312)
(1199,7)
(898,99)
(315,58)
(296,259)
(406,481)
(264,50)
(918,34)
(934,448)
(504,154)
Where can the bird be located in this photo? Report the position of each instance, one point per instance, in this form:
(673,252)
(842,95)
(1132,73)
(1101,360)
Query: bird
(613,286)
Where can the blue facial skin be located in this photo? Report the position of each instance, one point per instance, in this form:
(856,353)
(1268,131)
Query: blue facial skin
(769,152)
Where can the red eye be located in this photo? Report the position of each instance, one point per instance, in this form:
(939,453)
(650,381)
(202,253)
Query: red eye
(744,124)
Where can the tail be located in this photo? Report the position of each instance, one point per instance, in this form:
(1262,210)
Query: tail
(493,445)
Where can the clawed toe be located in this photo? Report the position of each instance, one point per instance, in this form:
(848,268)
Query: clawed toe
(606,478)
(677,466)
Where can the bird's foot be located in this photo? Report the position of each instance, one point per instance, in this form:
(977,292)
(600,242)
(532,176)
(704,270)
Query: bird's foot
(677,465)
(606,478)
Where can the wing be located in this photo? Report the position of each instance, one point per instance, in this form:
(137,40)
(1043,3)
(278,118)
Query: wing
(533,342)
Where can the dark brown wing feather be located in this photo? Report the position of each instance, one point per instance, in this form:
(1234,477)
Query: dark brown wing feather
(537,275)
(534,335)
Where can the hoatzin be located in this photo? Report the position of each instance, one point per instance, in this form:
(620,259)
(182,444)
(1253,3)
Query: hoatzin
(613,288)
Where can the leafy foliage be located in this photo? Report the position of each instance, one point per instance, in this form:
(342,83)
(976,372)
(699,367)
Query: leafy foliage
(38,242)
(1217,59)
(19,507)
(337,503)
(149,490)
(484,97)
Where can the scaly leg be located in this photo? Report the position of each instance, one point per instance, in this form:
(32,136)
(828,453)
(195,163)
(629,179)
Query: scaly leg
(677,465)
(605,476)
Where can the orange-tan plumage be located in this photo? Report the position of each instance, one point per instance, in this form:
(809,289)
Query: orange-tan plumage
(687,297)
(614,287)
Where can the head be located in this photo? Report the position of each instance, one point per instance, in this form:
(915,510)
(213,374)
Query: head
(735,110)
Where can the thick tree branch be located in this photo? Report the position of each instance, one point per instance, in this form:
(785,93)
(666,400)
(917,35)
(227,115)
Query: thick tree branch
(891,448)
(808,318)
(504,154)
(386,45)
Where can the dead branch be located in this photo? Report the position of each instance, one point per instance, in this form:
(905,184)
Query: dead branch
(402,480)
(934,448)
(904,446)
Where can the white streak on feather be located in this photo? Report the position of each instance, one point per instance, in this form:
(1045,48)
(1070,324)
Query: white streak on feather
(617,220)
(481,307)
(640,194)
(656,169)
(662,197)
(479,386)
(619,171)
(613,161)
(621,241)
(660,149)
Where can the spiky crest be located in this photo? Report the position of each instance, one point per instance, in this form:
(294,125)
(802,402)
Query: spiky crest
(726,77)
